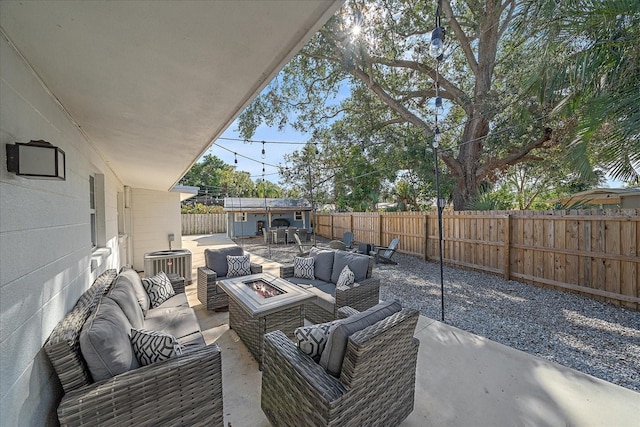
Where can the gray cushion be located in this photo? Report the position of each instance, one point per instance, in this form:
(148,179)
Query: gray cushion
(336,346)
(216,259)
(325,296)
(192,342)
(323,264)
(176,321)
(124,295)
(357,263)
(178,300)
(131,276)
(105,343)
(305,283)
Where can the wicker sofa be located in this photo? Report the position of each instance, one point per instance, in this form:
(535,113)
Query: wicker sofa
(375,385)
(363,294)
(182,390)
(215,269)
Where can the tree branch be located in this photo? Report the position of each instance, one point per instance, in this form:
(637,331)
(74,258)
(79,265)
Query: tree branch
(514,157)
(465,44)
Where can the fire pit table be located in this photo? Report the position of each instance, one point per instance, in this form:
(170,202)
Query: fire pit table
(261,303)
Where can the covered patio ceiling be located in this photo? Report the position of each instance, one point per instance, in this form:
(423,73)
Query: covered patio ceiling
(152,83)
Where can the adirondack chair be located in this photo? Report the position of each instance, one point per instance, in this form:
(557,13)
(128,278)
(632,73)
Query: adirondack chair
(384,254)
(303,248)
(347,239)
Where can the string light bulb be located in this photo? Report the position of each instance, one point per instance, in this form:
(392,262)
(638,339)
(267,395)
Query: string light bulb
(436,47)
(316,144)
(235,158)
(263,152)
(436,137)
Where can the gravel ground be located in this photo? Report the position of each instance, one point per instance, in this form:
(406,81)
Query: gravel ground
(599,339)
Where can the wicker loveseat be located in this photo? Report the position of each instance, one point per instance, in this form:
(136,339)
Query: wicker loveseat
(375,385)
(215,269)
(182,390)
(364,293)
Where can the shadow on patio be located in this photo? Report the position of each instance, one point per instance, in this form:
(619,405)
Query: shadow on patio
(462,379)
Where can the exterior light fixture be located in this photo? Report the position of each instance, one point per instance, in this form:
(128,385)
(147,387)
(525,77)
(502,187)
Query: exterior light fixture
(37,160)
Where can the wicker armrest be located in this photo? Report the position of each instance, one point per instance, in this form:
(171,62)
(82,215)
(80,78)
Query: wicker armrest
(295,371)
(207,272)
(177,282)
(362,295)
(346,311)
(286,271)
(256,268)
(184,390)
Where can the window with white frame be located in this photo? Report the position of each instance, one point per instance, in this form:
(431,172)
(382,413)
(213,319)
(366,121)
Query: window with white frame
(298,216)
(240,217)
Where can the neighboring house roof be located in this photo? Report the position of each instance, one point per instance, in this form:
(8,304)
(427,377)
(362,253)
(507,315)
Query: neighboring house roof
(186,191)
(239,204)
(601,196)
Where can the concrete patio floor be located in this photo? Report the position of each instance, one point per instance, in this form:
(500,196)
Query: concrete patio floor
(462,379)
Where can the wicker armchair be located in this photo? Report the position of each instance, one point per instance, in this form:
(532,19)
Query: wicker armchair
(376,385)
(215,269)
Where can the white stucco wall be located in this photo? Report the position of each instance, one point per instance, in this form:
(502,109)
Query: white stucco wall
(155,215)
(45,250)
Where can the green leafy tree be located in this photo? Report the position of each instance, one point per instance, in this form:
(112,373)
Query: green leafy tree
(595,80)
(390,80)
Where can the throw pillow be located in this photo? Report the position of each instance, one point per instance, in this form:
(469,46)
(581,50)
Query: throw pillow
(238,265)
(153,346)
(346,278)
(312,339)
(158,288)
(303,267)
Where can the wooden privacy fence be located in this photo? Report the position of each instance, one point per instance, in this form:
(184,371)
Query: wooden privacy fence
(594,252)
(204,223)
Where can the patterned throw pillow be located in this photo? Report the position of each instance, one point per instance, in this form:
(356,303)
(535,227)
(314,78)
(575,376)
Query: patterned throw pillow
(153,346)
(238,265)
(158,288)
(303,267)
(312,339)
(346,278)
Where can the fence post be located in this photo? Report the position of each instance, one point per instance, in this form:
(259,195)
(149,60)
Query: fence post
(507,247)
(380,229)
(426,236)
(331,236)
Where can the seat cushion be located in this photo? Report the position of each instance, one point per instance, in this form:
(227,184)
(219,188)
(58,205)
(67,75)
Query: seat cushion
(178,300)
(192,342)
(123,293)
(131,276)
(325,296)
(176,321)
(358,263)
(305,283)
(323,263)
(216,259)
(336,346)
(105,342)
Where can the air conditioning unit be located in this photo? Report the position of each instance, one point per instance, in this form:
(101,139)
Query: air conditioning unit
(173,261)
